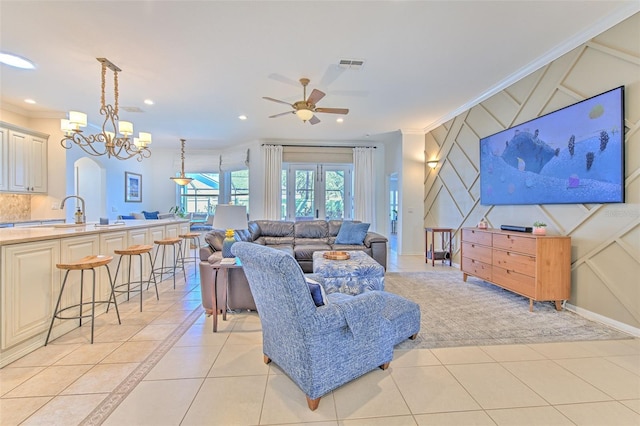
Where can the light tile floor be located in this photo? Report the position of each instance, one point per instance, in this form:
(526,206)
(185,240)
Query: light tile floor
(220,379)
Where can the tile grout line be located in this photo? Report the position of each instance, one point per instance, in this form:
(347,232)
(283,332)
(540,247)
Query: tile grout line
(109,404)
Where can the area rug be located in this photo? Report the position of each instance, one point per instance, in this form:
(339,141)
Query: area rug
(475,313)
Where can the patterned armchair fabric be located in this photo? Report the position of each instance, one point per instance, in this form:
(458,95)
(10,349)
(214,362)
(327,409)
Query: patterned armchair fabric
(320,348)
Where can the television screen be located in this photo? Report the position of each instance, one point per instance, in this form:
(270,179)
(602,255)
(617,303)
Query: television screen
(573,155)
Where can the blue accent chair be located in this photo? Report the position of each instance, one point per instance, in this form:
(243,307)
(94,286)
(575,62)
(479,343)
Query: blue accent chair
(321,348)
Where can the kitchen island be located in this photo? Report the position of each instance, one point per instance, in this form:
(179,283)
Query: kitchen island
(30,282)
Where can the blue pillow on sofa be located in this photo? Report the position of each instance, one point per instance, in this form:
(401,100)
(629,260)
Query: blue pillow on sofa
(352,233)
(126,217)
(151,215)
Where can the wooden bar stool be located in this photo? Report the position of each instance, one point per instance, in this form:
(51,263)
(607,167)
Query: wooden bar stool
(135,250)
(178,260)
(86,263)
(191,238)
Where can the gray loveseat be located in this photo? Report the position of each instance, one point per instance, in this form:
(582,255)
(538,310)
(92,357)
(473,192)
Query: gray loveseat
(301,239)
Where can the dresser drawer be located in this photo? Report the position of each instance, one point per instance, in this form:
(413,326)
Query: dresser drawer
(476,236)
(477,252)
(518,283)
(476,268)
(511,261)
(515,242)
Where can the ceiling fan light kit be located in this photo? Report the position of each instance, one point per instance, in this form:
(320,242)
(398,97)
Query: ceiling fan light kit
(306,109)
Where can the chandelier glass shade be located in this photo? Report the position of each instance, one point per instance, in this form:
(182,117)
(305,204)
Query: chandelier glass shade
(182,179)
(115,139)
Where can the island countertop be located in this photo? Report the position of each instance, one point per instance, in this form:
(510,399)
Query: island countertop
(30,280)
(61,230)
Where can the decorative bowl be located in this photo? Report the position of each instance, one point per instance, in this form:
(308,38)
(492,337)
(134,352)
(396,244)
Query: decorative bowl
(336,255)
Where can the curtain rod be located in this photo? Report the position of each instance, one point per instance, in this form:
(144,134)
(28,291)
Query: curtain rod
(318,146)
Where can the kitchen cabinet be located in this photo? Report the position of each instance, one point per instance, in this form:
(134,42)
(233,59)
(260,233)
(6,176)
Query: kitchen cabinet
(26,160)
(30,282)
(4,159)
(28,302)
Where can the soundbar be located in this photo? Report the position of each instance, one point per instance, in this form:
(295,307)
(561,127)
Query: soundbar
(516,228)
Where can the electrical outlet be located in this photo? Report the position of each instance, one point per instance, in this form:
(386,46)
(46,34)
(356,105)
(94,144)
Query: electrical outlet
(55,206)
(114,209)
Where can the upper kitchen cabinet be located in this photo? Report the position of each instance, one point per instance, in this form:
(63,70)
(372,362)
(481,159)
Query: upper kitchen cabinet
(25,162)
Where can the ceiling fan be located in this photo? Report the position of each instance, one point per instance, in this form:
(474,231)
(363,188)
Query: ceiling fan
(306,110)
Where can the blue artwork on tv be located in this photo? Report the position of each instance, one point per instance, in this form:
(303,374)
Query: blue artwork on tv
(573,155)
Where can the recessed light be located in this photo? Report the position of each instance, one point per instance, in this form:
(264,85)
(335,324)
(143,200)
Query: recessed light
(30,101)
(148,102)
(242,117)
(339,120)
(16,61)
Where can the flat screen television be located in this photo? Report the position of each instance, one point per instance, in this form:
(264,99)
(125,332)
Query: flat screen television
(572,155)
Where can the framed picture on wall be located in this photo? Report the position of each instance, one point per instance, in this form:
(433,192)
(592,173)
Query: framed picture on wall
(132,187)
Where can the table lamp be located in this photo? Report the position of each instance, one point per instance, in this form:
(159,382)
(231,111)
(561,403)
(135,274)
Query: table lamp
(229,217)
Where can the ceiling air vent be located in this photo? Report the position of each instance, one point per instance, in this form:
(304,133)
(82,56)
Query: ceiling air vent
(351,64)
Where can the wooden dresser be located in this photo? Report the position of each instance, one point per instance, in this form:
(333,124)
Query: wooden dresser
(537,267)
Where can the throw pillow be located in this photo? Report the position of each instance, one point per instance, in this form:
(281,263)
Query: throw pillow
(126,217)
(352,233)
(317,292)
(150,215)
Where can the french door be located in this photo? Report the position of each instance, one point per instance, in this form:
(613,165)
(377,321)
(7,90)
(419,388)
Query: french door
(318,191)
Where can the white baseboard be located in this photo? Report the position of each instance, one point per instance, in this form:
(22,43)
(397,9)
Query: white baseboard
(620,326)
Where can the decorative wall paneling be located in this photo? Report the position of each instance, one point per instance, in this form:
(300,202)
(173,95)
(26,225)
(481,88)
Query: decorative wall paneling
(605,237)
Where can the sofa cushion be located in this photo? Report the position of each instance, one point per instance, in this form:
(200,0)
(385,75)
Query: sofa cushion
(138,216)
(150,215)
(352,233)
(311,229)
(166,216)
(275,228)
(305,252)
(275,241)
(126,217)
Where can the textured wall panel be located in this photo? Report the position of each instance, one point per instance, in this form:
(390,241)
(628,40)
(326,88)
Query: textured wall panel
(605,238)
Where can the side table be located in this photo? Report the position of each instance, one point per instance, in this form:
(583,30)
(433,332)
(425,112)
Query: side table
(219,266)
(431,248)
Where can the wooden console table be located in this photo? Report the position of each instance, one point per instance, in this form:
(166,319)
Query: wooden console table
(431,248)
(537,267)
(224,269)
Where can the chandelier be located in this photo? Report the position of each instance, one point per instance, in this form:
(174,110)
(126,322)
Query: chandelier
(107,142)
(182,179)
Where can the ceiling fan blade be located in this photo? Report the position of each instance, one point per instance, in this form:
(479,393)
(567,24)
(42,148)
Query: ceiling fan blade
(315,96)
(333,110)
(314,120)
(281,114)
(276,100)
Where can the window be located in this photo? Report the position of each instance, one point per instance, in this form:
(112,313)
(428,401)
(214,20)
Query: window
(239,192)
(312,191)
(201,194)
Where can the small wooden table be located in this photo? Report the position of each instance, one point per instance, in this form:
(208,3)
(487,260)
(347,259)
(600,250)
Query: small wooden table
(224,268)
(431,248)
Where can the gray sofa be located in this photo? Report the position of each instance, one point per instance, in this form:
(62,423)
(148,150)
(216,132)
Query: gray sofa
(301,239)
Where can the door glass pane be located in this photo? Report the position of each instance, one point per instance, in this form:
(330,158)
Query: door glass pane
(304,195)
(240,188)
(334,194)
(283,207)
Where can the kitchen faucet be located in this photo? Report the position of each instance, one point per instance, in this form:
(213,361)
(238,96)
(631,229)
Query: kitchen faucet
(83,217)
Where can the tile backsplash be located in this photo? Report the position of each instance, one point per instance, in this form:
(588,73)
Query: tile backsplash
(15,207)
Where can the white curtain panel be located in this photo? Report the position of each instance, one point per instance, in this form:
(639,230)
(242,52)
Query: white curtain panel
(272,181)
(363,194)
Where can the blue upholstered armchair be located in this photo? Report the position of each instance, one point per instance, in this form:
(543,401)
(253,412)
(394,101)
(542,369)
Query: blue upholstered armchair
(321,348)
